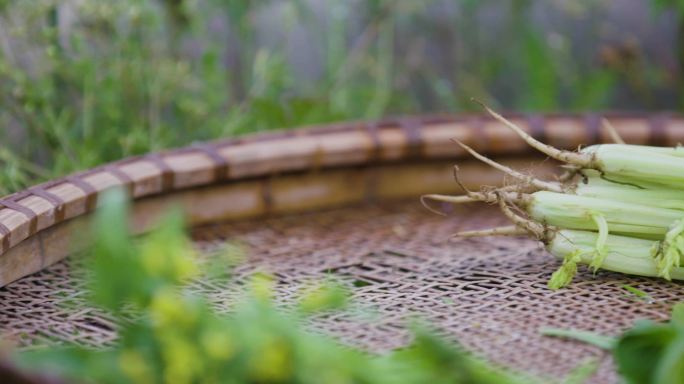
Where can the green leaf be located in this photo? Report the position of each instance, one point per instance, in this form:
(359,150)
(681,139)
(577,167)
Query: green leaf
(324,297)
(639,351)
(637,292)
(670,369)
(593,90)
(678,314)
(112,281)
(73,362)
(603,342)
(542,79)
(566,272)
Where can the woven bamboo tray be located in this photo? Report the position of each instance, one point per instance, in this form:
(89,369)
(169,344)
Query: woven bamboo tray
(343,199)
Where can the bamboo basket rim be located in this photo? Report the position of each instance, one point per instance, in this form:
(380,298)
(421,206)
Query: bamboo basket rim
(27,213)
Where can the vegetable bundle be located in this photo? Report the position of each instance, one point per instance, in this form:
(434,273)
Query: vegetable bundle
(618,207)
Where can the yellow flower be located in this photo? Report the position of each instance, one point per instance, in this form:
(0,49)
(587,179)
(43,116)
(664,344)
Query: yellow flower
(218,344)
(273,364)
(183,363)
(262,286)
(323,297)
(169,257)
(184,265)
(153,261)
(170,309)
(133,365)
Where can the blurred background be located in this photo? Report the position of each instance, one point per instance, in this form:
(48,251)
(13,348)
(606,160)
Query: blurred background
(88,81)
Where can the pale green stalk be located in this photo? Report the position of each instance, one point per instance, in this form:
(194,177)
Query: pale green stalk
(615,215)
(574,212)
(662,198)
(639,149)
(623,254)
(652,164)
(644,182)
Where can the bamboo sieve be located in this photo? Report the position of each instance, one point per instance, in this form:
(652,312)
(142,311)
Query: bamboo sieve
(272,180)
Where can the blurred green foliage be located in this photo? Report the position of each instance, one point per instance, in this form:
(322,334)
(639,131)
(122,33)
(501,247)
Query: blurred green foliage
(653,353)
(84,82)
(170,335)
(648,353)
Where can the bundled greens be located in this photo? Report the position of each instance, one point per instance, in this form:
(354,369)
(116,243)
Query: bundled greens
(618,207)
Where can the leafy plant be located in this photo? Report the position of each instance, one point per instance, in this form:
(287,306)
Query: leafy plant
(648,353)
(85,82)
(653,353)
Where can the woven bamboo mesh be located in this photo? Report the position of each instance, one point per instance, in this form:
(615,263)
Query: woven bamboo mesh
(359,184)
